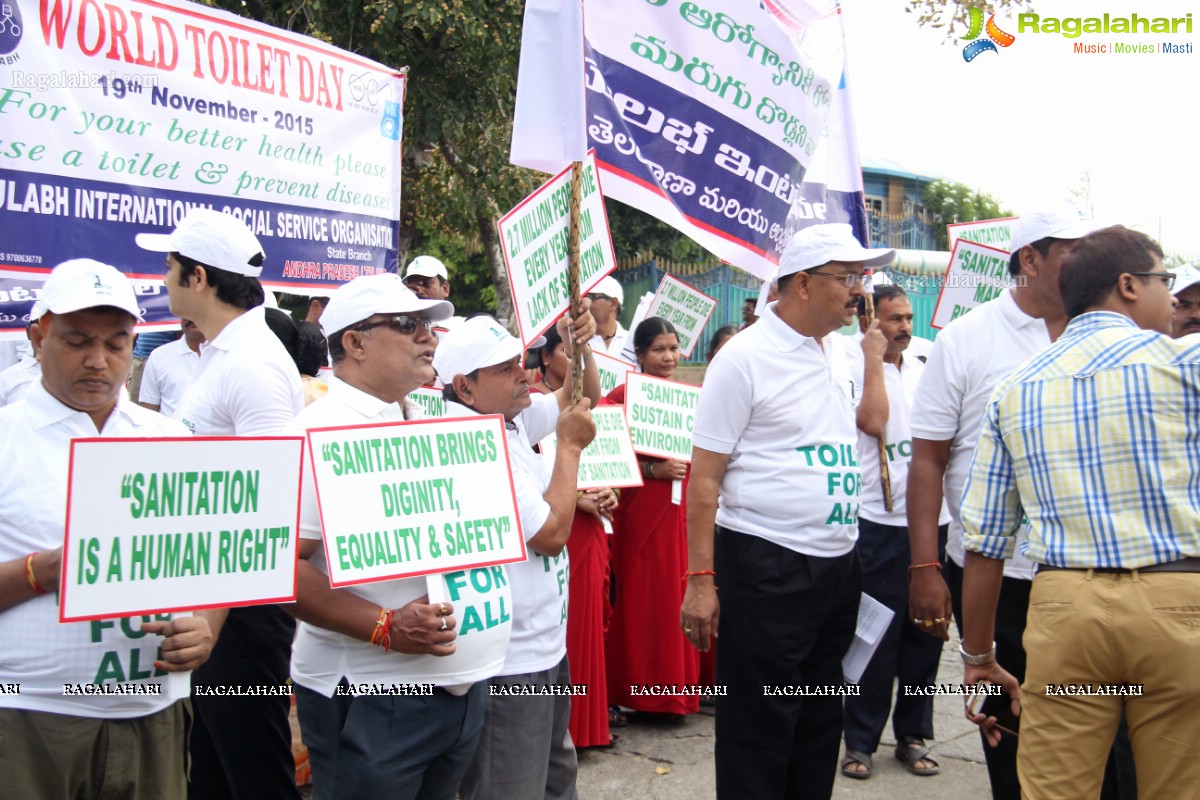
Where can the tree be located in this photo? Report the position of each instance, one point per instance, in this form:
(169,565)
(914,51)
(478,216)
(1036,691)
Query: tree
(955,16)
(948,202)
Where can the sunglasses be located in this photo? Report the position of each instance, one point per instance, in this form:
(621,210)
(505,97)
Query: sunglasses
(401,323)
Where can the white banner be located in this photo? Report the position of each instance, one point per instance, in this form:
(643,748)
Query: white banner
(219,531)
(992,232)
(415,498)
(612,371)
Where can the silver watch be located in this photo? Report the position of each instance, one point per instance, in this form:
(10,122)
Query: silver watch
(980,659)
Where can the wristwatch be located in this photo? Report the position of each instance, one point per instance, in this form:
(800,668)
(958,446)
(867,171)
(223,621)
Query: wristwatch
(980,659)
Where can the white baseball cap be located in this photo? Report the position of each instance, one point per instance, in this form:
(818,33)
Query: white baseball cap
(213,238)
(1186,276)
(384,293)
(817,245)
(610,287)
(83,283)
(478,342)
(426,267)
(1061,222)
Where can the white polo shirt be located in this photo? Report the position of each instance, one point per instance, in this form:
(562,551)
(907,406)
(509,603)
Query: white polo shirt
(16,380)
(901,386)
(970,356)
(614,347)
(482,598)
(539,584)
(782,407)
(37,651)
(247,384)
(169,371)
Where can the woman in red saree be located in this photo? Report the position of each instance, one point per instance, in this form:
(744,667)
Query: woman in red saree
(588,607)
(649,556)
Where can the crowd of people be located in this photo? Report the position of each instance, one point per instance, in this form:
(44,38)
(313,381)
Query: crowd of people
(1032,479)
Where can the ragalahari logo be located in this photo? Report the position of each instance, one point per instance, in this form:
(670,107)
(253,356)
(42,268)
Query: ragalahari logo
(975,27)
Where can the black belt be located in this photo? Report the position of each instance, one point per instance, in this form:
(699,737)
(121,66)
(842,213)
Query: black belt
(1190,564)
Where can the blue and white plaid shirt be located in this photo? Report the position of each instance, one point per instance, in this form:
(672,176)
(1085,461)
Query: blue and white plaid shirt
(1097,440)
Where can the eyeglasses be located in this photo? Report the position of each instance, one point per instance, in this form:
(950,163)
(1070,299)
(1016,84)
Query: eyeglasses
(594,296)
(401,323)
(1168,277)
(850,279)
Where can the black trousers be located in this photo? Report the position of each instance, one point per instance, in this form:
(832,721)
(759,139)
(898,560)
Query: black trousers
(242,746)
(905,655)
(1120,778)
(787,620)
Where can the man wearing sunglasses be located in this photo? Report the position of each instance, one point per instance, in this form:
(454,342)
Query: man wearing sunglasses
(775,440)
(607,297)
(381,345)
(1093,440)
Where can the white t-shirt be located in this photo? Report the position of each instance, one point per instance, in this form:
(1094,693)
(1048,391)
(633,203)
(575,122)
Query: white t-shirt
(16,380)
(782,407)
(614,347)
(970,356)
(169,371)
(539,584)
(901,385)
(37,651)
(247,384)
(482,598)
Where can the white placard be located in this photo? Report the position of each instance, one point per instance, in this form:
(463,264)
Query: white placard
(612,372)
(977,273)
(992,232)
(414,498)
(191,523)
(686,308)
(661,414)
(609,461)
(873,620)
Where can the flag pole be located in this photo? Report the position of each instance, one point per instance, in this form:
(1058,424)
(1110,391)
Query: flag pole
(573,278)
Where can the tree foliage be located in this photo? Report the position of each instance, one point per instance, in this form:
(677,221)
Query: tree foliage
(948,202)
(953,16)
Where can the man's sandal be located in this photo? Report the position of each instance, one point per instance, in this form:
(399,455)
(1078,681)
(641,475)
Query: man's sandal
(911,751)
(857,765)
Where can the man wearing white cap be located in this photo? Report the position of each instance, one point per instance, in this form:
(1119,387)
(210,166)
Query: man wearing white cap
(428,278)
(525,749)
(130,744)
(775,440)
(607,297)
(382,345)
(970,357)
(1187,295)
(246,385)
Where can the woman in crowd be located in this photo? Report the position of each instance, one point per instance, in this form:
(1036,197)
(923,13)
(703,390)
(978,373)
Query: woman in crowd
(588,609)
(649,547)
(719,339)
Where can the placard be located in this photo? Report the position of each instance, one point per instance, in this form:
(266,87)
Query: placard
(686,308)
(660,415)
(415,498)
(992,232)
(174,524)
(977,273)
(609,461)
(613,371)
(429,399)
(533,238)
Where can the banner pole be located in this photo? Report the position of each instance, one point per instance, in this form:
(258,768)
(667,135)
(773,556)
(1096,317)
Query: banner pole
(573,278)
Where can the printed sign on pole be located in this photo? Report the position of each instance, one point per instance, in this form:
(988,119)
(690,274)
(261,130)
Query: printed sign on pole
(992,232)
(612,371)
(686,308)
(429,399)
(533,238)
(977,273)
(415,498)
(155,537)
(609,461)
(660,415)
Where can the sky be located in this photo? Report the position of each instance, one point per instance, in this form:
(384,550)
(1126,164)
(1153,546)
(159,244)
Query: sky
(1027,123)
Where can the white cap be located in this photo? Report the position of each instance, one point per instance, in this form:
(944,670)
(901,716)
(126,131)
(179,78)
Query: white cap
(817,245)
(478,342)
(1061,222)
(426,267)
(1186,276)
(610,287)
(83,283)
(214,239)
(368,295)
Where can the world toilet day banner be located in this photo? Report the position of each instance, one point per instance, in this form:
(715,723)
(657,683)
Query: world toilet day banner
(977,273)
(661,415)
(118,116)
(534,238)
(609,461)
(404,499)
(199,522)
(729,120)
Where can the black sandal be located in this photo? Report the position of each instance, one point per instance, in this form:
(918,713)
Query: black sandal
(853,757)
(910,751)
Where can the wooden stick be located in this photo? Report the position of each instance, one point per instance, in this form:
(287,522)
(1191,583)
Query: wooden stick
(573,278)
(885,476)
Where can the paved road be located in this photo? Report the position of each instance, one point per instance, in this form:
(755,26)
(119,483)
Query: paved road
(674,761)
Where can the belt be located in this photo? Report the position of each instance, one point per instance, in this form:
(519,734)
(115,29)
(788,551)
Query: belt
(1190,564)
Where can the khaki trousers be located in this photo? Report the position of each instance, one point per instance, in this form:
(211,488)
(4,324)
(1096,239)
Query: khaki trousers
(1102,629)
